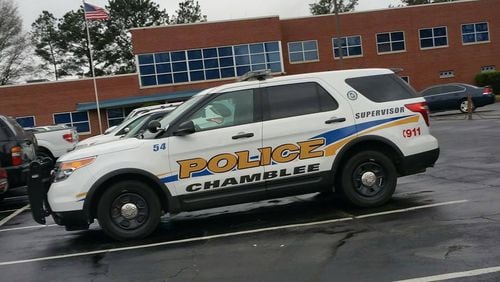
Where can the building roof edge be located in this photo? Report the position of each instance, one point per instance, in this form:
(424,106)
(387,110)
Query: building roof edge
(383,9)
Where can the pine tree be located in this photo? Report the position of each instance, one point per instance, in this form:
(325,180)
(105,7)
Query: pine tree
(189,12)
(45,37)
(328,6)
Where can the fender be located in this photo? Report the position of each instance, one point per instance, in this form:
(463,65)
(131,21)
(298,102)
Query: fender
(368,139)
(172,204)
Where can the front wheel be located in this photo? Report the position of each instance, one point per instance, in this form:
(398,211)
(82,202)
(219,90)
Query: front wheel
(368,179)
(129,210)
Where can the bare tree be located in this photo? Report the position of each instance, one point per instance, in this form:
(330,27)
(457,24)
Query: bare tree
(14,44)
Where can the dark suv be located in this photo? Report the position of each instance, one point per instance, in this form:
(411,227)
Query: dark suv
(17,150)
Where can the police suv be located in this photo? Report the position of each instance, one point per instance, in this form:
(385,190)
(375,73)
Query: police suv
(353,132)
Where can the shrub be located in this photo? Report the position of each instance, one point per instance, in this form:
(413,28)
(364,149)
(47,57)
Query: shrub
(491,78)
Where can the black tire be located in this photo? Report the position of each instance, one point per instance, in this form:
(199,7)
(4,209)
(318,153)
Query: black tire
(44,153)
(463,106)
(377,169)
(120,225)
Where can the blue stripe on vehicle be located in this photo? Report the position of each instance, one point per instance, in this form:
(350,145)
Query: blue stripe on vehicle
(341,133)
(201,173)
(169,179)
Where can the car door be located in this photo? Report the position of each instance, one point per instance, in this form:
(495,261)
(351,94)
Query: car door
(219,162)
(300,120)
(435,101)
(454,95)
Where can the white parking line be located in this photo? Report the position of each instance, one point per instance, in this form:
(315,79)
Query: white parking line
(14,214)
(233,234)
(6,211)
(27,227)
(16,197)
(454,275)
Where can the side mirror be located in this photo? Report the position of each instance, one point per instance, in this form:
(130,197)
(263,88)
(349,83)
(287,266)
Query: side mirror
(154,126)
(126,129)
(185,128)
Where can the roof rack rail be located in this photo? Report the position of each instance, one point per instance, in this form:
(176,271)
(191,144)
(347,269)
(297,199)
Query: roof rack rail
(256,75)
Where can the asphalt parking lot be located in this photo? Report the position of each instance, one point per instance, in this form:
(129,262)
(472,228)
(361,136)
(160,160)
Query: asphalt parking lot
(441,224)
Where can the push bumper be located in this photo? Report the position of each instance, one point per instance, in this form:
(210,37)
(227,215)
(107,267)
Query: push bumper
(72,220)
(419,162)
(38,186)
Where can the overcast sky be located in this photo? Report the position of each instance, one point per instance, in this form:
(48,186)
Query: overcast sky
(214,9)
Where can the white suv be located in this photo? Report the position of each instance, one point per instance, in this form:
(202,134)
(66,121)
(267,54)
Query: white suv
(353,132)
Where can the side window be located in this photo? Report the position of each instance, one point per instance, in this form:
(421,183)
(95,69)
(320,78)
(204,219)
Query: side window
(382,88)
(452,88)
(431,91)
(228,109)
(296,99)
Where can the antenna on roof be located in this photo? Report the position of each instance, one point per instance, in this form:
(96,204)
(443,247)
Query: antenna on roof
(255,75)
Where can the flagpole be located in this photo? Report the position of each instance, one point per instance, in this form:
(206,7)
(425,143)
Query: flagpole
(92,69)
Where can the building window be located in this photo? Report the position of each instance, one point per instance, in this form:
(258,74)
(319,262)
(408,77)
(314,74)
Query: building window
(27,121)
(475,33)
(117,115)
(208,63)
(433,37)
(488,68)
(80,120)
(390,42)
(446,74)
(406,79)
(303,51)
(351,46)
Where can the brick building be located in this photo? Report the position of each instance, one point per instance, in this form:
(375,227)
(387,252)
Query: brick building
(431,44)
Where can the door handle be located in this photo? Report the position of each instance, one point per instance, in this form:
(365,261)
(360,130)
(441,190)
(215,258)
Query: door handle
(334,120)
(242,135)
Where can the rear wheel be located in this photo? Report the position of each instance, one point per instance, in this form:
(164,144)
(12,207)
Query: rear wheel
(44,153)
(129,210)
(368,179)
(464,106)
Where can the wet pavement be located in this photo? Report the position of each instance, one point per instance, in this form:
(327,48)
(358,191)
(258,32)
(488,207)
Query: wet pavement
(446,220)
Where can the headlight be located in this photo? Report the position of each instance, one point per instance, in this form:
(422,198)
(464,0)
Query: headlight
(65,169)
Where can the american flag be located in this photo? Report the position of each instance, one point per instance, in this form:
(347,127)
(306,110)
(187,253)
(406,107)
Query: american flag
(93,12)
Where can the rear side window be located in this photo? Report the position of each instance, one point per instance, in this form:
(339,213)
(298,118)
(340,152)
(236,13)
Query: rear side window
(431,91)
(382,88)
(452,88)
(296,99)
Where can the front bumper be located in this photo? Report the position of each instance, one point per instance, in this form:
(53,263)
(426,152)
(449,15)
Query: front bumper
(419,162)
